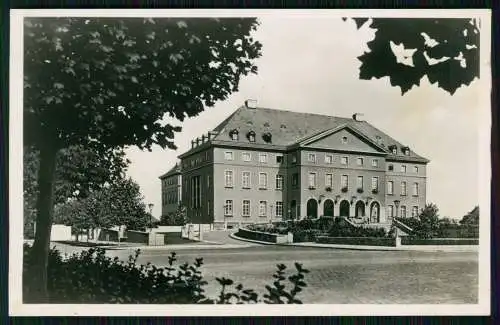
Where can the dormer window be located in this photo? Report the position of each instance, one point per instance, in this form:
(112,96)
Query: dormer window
(267,137)
(406,151)
(393,149)
(251,136)
(344,139)
(234,135)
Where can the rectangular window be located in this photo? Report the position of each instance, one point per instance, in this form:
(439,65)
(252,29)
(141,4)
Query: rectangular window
(209,183)
(295,179)
(403,188)
(246,156)
(279,159)
(328,159)
(195,192)
(262,180)
(245,179)
(329,180)
(343,160)
(359,161)
(228,178)
(403,211)
(415,189)
(359,182)
(279,209)
(263,158)
(374,162)
(228,208)
(262,208)
(390,187)
(312,180)
(403,168)
(344,181)
(390,168)
(279,182)
(390,211)
(374,183)
(246,208)
(294,158)
(414,211)
(311,157)
(208,208)
(228,155)
(415,169)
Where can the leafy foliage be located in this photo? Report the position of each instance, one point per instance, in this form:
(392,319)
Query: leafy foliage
(429,222)
(107,82)
(93,277)
(79,172)
(177,218)
(471,218)
(117,204)
(445,50)
(428,225)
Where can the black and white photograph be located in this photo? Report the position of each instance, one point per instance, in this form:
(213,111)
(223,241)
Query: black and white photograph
(196,162)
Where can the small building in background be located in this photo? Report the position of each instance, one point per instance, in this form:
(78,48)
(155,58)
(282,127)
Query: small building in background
(171,190)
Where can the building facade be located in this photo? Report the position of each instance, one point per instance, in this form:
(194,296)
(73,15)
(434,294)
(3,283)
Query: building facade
(171,190)
(262,165)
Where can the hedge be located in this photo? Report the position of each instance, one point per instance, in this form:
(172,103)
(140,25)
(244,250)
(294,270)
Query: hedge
(91,277)
(439,241)
(369,241)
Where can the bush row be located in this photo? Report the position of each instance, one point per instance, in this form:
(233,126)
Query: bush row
(92,277)
(369,241)
(438,241)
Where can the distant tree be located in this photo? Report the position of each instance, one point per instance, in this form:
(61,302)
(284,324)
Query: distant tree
(74,213)
(78,172)
(177,218)
(118,204)
(446,50)
(107,83)
(429,222)
(471,218)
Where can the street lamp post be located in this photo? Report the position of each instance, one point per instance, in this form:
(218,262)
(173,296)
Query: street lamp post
(396,204)
(224,213)
(150,206)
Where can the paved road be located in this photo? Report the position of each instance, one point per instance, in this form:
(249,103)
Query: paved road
(343,276)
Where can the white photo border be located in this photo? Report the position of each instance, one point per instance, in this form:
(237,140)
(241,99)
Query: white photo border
(16,306)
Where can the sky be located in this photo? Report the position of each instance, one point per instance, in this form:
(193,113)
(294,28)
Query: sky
(309,64)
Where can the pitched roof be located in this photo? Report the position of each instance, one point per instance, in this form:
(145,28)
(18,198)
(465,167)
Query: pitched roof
(173,171)
(288,128)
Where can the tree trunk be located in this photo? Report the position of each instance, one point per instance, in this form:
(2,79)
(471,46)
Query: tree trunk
(45,209)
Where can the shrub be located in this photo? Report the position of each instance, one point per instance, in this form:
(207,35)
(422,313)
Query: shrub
(305,235)
(92,277)
(340,230)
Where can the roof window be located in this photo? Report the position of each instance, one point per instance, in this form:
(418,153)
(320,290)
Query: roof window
(251,136)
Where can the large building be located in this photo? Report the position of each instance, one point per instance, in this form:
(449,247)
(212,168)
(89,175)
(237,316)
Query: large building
(171,193)
(265,164)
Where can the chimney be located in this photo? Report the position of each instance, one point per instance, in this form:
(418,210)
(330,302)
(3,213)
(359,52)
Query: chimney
(357,117)
(197,141)
(192,144)
(251,103)
(203,137)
